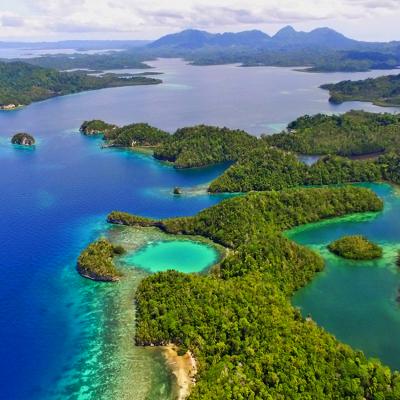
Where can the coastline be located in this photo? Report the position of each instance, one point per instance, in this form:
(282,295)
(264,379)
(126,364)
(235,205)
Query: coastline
(184,369)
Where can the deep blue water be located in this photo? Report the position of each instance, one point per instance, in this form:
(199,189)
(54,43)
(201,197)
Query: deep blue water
(54,198)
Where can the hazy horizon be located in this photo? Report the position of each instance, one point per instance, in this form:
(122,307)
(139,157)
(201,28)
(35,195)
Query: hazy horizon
(23,20)
(16,40)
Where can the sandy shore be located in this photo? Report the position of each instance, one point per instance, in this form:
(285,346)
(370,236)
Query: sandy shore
(183,367)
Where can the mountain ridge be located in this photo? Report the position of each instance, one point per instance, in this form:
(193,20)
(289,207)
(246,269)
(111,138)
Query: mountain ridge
(286,37)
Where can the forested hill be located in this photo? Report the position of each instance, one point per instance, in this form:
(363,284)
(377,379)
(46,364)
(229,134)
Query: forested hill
(382,91)
(195,146)
(21,83)
(353,133)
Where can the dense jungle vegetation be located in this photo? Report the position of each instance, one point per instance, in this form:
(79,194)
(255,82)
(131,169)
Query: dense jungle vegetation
(260,166)
(22,83)
(352,133)
(203,145)
(195,146)
(382,91)
(96,127)
(250,343)
(139,134)
(274,169)
(96,261)
(355,248)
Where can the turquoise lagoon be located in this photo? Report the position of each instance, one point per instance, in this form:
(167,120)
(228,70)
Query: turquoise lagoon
(182,255)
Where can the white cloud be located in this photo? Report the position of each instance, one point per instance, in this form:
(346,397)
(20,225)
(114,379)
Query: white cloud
(54,19)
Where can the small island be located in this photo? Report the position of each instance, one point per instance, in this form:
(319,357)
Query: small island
(355,248)
(23,139)
(177,191)
(96,261)
(382,91)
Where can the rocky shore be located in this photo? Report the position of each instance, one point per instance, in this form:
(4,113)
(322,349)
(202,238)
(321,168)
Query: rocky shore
(23,139)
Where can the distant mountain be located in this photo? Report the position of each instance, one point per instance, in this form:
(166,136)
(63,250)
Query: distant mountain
(286,33)
(287,37)
(195,39)
(188,39)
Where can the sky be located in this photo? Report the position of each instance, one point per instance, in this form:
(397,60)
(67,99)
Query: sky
(33,20)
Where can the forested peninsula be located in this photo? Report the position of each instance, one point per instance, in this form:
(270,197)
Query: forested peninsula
(248,340)
(382,91)
(270,162)
(196,146)
(22,84)
(351,134)
(96,261)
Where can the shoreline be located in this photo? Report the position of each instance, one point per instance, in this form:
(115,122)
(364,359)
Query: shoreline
(184,369)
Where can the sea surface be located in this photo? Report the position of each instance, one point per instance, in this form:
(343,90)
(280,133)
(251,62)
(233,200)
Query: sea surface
(65,337)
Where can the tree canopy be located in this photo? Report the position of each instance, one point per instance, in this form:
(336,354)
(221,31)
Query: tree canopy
(356,248)
(349,134)
(22,84)
(250,343)
(382,91)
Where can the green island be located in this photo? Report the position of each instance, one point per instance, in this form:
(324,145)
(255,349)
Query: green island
(133,135)
(248,340)
(23,139)
(276,170)
(96,261)
(270,162)
(351,134)
(355,247)
(189,147)
(22,84)
(382,91)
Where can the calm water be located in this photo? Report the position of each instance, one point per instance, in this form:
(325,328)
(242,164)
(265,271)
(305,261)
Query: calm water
(60,333)
(183,255)
(356,300)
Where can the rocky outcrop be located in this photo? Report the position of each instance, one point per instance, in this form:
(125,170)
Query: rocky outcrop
(96,277)
(23,139)
(177,190)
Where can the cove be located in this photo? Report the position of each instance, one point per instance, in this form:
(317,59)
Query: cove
(356,300)
(181,255)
